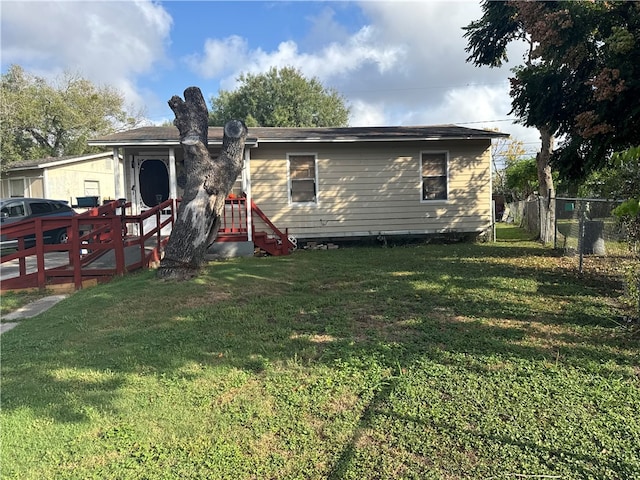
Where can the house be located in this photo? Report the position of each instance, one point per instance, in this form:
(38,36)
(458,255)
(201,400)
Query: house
(331,184)
(88,177)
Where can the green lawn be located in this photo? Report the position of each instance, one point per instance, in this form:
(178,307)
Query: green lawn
(465,361)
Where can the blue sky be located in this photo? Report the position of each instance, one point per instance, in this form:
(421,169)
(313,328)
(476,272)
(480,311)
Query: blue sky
(395,62)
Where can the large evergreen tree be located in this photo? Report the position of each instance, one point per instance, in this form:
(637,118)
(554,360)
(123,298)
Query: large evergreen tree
(280,98)
(580,78)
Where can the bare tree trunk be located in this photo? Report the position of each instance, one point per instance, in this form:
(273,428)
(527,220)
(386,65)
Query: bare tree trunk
(546,188)
(209,181)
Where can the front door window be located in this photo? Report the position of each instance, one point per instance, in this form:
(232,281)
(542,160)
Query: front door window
(154,182)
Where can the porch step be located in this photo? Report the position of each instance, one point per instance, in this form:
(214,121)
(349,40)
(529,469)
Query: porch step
(232,237)
(270,245)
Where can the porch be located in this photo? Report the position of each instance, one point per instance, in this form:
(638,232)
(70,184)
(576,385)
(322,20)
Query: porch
(107,241)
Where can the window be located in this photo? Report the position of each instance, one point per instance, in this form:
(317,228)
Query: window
(302,178)
(40,208)
(13,209)
(91,188)
(434,175)
(16,187)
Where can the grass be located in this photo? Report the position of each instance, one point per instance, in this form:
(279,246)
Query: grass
(466,361)
(568,233)
(12,300)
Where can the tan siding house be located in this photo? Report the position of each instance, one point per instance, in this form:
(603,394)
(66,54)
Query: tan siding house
(336,183)
(63,178)
(368,189)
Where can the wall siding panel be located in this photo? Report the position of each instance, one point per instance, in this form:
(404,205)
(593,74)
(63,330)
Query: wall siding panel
(374,188)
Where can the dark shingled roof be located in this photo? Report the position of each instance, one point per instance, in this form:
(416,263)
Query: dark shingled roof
(169,135)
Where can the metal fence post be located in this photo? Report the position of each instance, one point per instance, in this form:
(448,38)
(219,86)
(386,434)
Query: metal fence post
(555,224)
(581,215)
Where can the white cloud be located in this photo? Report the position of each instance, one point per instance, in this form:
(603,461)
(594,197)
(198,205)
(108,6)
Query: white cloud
(104,44)
(219,57)
(365,114)
(231,56)
(405,64)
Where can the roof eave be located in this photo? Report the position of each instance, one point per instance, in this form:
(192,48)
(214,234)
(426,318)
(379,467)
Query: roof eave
(387,139)
(66,161)
(150,143)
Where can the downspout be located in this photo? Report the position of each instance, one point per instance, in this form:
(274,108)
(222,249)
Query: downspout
(132,194)
(247,190)
(492,207)
(45,184)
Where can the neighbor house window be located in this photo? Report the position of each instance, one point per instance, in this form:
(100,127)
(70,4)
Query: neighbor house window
(91,188)
(434,175)
(17,187)
(302,178)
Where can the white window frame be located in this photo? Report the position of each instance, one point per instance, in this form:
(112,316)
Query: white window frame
(315,179)
(446,156)
(26,187)
(95,183)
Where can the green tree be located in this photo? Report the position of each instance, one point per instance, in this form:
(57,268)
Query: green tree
(596,48)
(487,41)
(40,119)
(618,179)
(280,98)
(521,178)
(580,77)
(504,152)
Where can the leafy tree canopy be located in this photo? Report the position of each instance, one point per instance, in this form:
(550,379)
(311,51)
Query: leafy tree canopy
(619,179)
(40,119)
(581,75)
(521,178)
(504,152)
(280,98)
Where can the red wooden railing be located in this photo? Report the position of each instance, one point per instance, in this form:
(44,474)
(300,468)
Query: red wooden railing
(234,228)
(98,247)
(233,224)
(275,242)
(105,241)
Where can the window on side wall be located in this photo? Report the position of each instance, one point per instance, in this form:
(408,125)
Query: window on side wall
(16,187)
(91,188)
(434,175)
(302,178)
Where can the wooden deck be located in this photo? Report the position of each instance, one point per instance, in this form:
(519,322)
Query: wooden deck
(99,246)
(105,241)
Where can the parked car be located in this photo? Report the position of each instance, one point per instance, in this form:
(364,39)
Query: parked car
(14,210)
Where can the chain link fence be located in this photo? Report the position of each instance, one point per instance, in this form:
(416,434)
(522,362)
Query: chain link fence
(589,236)
(587,227)
(582,227)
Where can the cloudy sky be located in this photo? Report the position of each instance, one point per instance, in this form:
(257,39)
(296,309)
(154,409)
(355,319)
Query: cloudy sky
(395,62)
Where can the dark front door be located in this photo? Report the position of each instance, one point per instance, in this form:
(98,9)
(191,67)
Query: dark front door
(154,182)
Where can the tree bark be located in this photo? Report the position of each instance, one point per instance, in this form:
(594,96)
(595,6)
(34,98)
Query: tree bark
(546,188)
(208,182)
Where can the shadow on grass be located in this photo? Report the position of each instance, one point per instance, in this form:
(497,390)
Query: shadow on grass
(465,305)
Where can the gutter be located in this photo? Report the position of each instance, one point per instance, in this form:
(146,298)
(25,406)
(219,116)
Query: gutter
(255,143)
(152,143)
